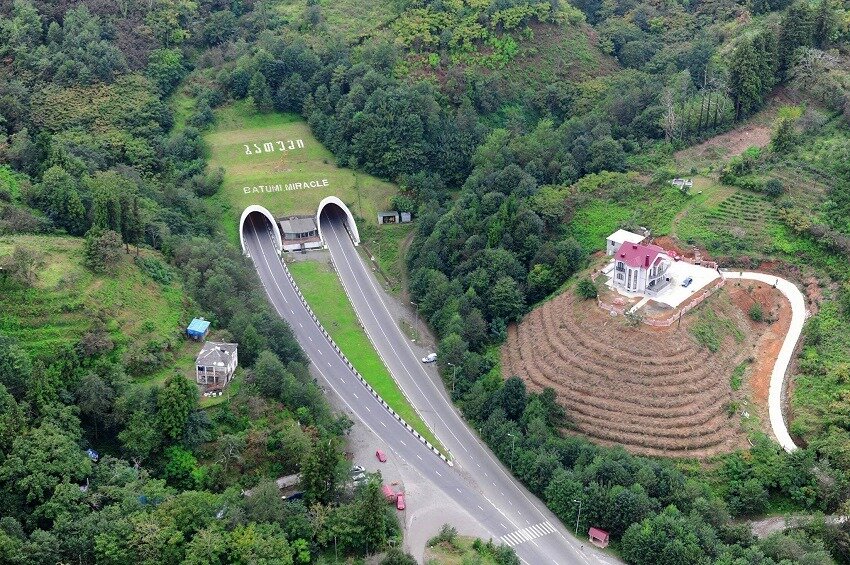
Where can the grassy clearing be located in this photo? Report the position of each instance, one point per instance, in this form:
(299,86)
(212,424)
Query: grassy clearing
(710,329)
(654,208)
(351,19)
(67,297)
(386,243)
(460,551)
(323,290)
(237,126)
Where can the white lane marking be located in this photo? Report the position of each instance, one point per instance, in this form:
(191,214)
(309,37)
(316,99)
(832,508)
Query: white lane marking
(458,426)
(487,454)
(529,533)
(329,364)
(355,395)
(438,473)
(457,489)
(320,352)
(367,408)
(479,507)
(300,324)
(310,337)
(402,442)
(293,311)
(323,375)
(511,503)
(504,526)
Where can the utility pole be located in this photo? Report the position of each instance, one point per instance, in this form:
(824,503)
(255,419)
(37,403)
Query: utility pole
(454,378)
(513,439)
(579,514)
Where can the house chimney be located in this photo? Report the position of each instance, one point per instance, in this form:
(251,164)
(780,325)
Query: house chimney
(646,261)
(634,246)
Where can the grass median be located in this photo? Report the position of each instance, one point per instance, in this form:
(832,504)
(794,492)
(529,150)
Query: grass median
(323,290)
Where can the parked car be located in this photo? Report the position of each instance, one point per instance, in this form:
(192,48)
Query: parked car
(399,501)
(356,470)
(382,457)
(687,282)
(358,478)
(430,358)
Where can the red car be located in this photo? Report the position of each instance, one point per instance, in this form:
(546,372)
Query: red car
(382,457)
(399,501)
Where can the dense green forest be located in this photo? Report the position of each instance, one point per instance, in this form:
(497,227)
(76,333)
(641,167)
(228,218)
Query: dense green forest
(508,124)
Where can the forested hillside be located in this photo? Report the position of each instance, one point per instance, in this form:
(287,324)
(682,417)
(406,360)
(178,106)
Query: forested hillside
(106,251)
(520,132)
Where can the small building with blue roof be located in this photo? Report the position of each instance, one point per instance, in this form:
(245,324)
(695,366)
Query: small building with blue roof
(198,329)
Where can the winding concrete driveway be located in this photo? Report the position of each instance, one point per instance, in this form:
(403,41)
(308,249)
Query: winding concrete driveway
(783,360)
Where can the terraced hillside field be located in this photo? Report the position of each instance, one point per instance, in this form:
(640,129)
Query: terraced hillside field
(656,391)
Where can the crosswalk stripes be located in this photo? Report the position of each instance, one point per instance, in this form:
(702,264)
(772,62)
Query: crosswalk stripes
(527,534)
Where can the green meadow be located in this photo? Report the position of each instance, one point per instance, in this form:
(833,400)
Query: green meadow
(67,297)
(279,150)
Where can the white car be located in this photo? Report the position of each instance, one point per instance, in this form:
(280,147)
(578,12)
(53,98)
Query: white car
(430,358)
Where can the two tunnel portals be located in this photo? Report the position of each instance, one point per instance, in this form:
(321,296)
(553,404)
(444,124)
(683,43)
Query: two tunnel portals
(332,203)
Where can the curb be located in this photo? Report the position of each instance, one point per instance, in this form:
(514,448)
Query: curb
(356,373)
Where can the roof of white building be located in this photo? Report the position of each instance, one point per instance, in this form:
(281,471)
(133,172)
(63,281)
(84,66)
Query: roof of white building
(623,236)
(217,354)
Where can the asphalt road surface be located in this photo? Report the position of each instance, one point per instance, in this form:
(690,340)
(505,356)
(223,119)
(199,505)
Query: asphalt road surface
(477,482)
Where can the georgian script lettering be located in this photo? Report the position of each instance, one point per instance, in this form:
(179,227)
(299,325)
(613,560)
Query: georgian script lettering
(280,146)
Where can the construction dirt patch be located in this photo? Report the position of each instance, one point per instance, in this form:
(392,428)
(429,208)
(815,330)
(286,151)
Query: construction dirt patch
(776,312)
(656,391)
(727,144)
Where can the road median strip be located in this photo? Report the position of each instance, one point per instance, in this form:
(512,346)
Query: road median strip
(387,386)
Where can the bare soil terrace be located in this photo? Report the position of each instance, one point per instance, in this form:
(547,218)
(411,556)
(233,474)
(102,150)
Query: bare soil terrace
(656,391)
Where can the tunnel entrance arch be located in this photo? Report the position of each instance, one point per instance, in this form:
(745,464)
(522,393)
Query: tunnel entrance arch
(261,210)
(352,226)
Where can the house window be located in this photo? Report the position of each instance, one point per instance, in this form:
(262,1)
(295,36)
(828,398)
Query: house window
(619,276)
(620,266)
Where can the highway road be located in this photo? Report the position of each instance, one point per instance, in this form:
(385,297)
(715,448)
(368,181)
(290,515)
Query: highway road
(477,482)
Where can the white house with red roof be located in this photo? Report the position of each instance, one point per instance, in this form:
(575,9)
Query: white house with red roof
(640,268)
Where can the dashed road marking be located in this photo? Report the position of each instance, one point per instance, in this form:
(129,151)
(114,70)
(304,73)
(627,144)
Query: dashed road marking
(355,396)
(383,424)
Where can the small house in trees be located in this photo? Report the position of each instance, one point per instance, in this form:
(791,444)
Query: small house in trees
(641,268)
(198,329)
(598,537)
(619,237)
(215,364)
